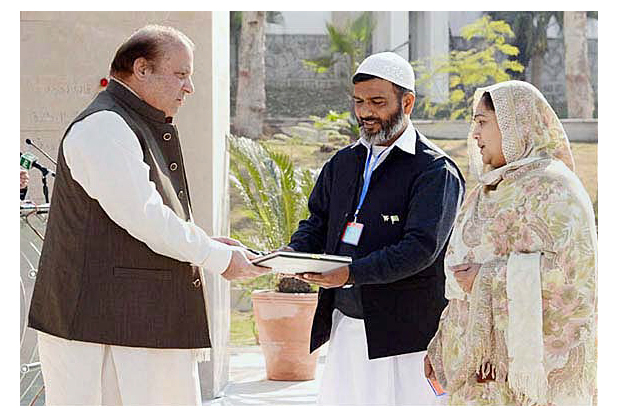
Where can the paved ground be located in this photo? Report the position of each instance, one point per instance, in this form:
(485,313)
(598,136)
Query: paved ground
(249,385)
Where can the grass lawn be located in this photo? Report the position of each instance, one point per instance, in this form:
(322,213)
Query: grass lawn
(242,328)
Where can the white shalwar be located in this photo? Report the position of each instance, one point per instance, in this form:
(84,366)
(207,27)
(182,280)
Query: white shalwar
(81,373)
(350,378)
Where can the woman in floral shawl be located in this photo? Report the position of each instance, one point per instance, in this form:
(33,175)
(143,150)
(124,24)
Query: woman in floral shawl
(520,326)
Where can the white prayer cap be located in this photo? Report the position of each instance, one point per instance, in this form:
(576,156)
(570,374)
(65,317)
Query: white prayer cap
(389,66)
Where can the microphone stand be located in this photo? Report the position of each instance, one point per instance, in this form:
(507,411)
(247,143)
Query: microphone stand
(44,170)
(29,142)
(44,177)
(44,181)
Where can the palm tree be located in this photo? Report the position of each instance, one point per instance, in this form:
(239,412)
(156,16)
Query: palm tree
(274,191)
(275,194)
(349,41)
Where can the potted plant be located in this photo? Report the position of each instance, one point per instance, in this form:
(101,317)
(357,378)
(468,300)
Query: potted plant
(284,318)
(275,194)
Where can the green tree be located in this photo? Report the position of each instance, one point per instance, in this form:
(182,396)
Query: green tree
(530,29)
(485,64)
(348,42)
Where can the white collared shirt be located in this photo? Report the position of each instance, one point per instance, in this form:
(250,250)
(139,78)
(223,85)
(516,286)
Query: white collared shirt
(405,142)
(122,83)
(104,156)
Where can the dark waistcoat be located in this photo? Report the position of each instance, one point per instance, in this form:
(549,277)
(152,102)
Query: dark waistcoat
(96,282)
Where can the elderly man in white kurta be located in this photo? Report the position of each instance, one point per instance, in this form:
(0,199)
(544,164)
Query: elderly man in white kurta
(120,299)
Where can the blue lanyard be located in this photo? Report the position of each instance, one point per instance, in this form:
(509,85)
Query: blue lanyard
(368,174)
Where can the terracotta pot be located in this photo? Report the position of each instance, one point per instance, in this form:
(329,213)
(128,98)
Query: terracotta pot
(284,321)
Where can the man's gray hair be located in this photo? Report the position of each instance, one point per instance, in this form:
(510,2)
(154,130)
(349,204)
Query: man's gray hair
(149,43)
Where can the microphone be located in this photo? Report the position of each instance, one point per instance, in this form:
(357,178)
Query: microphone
(29,160)
(26,162)
(30,143)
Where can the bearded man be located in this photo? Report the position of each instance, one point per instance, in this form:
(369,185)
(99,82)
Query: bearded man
(389,202)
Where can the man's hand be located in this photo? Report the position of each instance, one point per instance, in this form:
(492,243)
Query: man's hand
(428,370)
(465,275)
(331,279)
(241,267)
(228,241)
(285,248)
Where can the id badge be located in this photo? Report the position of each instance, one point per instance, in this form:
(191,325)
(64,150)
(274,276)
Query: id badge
(352,233)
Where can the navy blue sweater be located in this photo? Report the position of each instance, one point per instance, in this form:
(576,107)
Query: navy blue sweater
(397,266)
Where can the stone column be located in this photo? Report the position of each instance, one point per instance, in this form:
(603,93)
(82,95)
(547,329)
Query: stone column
(207,160)
(430,39)
(63,57)
(391,32)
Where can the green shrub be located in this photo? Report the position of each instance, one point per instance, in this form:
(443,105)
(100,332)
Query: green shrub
(486,64)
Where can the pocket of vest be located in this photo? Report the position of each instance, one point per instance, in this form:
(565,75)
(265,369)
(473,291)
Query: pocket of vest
(142,273)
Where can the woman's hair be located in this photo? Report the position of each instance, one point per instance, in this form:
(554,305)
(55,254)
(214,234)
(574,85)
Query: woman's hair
(488,101)
(149,43)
